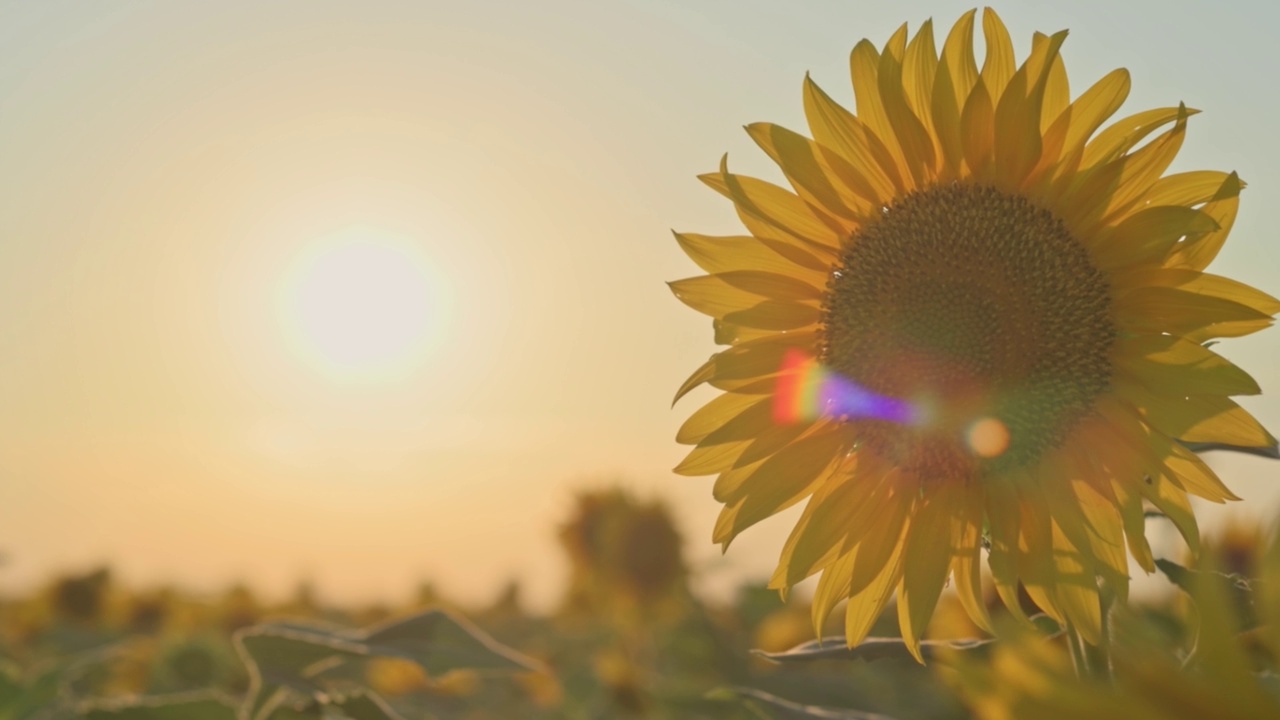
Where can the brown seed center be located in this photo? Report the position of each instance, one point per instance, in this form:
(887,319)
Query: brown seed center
(975,306)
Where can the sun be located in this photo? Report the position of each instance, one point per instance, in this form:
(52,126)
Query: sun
(362,305)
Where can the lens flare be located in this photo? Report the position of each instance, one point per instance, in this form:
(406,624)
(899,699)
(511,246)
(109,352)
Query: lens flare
(988,437)
(807,390)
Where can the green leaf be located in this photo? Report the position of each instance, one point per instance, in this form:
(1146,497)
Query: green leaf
(286,657)
(37,696)
(285,660)
(188,706)
(1266,451)
(1237,588)
(875,648)
(788,710)
(440,642)
(367,706)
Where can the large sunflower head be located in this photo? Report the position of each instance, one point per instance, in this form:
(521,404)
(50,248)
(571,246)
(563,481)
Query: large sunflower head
(976,317)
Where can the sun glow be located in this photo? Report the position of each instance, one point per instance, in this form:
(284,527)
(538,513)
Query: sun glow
(362,305)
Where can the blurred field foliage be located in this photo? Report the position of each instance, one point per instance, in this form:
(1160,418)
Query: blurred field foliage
(629,640)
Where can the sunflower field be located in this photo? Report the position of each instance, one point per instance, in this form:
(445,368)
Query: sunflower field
(970,344)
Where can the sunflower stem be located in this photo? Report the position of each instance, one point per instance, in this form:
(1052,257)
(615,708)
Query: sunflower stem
(1102,654)
(1075,643)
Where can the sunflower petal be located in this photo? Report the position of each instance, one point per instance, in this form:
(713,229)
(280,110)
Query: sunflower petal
(720,410)
(1180,312)
(998,68)
(927,555)
(836,128)
(1198,253)
(1169,365)
(1121,136)
(811,173)
(725,254)
(1149,235)
(774,206)
(783,480)
(966,558)
(1094,106)
(865,605)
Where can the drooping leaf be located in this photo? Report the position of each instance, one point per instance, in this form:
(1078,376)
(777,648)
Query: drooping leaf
(1238,588)
(281,658)
(366,705)
(784,709)
(187,706)
(440,642)
(286,660)
(1267,451)
(875,648)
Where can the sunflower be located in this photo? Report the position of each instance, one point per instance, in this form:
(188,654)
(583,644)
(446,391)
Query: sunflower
(977,318)
(1223,673)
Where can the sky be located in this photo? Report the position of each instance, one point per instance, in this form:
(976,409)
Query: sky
(173,173)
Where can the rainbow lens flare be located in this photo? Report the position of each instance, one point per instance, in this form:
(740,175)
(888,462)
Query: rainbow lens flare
(807,390)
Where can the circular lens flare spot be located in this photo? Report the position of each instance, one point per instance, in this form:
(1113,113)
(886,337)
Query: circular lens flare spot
(988,437)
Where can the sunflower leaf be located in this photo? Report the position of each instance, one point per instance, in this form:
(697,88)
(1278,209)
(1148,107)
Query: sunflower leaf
(784,709)
(286,660)
(1237,587)
(871,649)
(1267,451)
(185,706)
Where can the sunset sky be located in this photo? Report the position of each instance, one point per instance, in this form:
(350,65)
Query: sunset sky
(181,182)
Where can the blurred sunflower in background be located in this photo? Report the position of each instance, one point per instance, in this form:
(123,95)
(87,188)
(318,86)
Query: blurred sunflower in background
(625,555)
(977,317)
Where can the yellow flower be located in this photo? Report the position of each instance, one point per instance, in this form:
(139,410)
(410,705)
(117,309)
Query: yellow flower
(976,315)
(623,553)
(1214,677)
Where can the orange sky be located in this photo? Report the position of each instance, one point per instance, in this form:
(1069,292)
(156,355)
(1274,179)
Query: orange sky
(162,169)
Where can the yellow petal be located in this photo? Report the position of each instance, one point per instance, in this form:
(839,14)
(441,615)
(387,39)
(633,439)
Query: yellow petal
(1005,519)
(784,479)
(1172,501)
(836,128)
(866,605)
(1017,120)
(966,560)
(832,587)
(919,68)
(1123,135)
(846,508)
(953,80)
(1187,188)
(977,128)
(713,295)
(1057,90)
(1140,169)
(715,414)
(864,68)
(1193,474)
(1094,106)
(928,553)
(776,315)
(913,138)
(1000,63)
(724,254)
(1197,254)
(1148,236)
(1169,365)
(776,207)
(777,286)
(1171,310)
(1194,281)
(810,171)
(1076,588)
